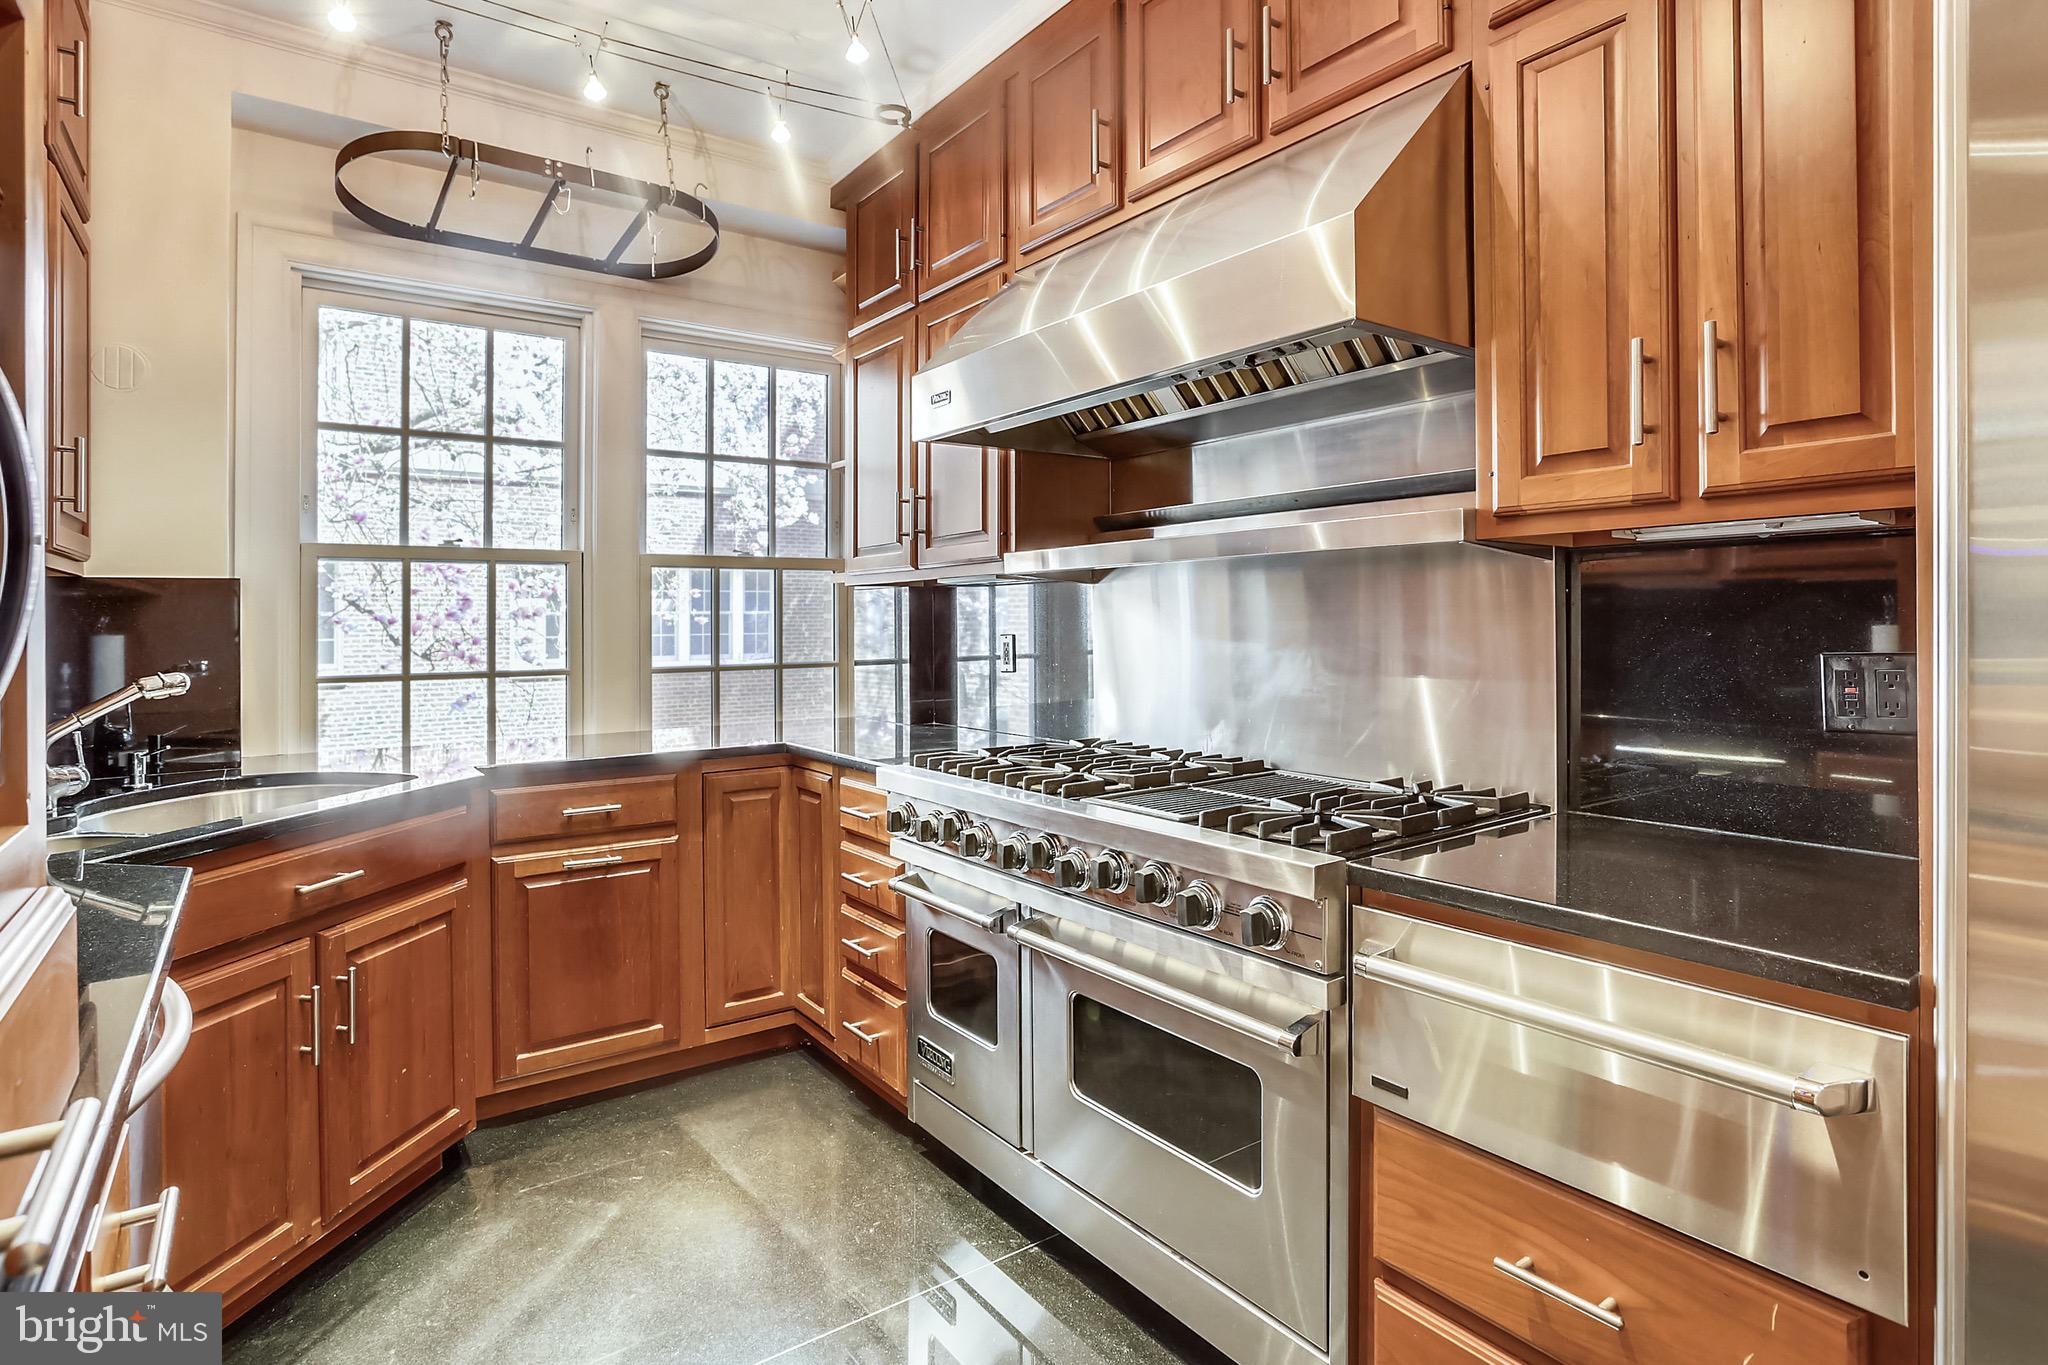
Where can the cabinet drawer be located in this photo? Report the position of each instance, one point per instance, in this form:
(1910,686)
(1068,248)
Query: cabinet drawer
(234,902)
(870,1030)
(1405,1332)
(1491,1237)
(861,809)
(864,877)
(872,946)
(579,808)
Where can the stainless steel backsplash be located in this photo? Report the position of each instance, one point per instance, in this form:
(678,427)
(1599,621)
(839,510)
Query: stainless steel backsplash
(1436,661)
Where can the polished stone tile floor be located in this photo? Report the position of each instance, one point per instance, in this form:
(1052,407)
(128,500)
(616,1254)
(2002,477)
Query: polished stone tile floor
(758,1212)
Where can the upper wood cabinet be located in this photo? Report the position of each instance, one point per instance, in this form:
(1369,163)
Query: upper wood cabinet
(395,1080)
(1315,54)
(68,481)
(958,232)
(959,495)
(750,904)
(1575,303)
(68,91)
(1191,87)
(881,222)
(1802,220)
(1064,126)
(814,832)
(586,944)
(880,474)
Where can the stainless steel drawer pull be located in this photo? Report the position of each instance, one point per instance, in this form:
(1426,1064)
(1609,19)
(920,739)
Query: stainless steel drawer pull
(869,953)
(1295,1039)
(866,883)
(857,1031)
(571,812)
(1818,1090)
(1601,1312)
(176,1011)
(153,1275)
(857,813)
(32,1235)
(330,882)
(601,860)
(908,885)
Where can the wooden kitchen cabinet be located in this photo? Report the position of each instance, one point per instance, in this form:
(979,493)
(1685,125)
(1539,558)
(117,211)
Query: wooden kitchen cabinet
(871,1032)
(68,479)
(1065,123)
(586,947)
(750,900)
(814,833)
(1316,54)
(1575,308)
(395,1081)
(958,499)
(881,214)
(881,477)
(1801,220)
(67,92)
(1406,1332)
(241,1119)
(1191,87)
(958,231)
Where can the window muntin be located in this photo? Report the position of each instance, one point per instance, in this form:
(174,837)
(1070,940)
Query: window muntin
(881,655)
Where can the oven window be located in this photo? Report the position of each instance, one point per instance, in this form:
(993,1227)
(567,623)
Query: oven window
(962,989)
(1189,1098)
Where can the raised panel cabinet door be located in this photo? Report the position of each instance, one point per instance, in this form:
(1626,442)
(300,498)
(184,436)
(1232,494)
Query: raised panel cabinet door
(959,499)
(1064,127)
(395,1081)
(959,228)
(881,271)
(1807,193)
(816,833)
(1191,85)
(1577,354)
(586,955)
(68,93)
(1315,54)
(749,895)
(70,309)
(1406,1332)
(878,417)
(241,1116)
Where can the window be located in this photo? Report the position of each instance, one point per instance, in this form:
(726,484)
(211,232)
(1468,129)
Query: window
(738,533)
(439,565)
(1021,657)
(881,654)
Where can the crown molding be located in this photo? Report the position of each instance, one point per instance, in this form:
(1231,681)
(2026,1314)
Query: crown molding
(262,31)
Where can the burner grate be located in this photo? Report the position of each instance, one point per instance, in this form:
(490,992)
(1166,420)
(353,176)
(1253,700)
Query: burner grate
(1177,803)
(1275,786)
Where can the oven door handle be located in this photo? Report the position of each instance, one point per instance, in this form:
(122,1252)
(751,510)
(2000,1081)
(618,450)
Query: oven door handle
(1295,1039)
(1827,1091)
(909,887)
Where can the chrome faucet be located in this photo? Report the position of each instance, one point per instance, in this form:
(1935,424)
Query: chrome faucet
(69,779)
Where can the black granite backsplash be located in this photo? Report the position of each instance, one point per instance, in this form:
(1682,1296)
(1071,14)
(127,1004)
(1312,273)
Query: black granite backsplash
(1694,690)
(105,632)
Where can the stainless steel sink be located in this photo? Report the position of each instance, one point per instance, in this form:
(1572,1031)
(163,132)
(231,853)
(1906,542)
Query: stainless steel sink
(183,808)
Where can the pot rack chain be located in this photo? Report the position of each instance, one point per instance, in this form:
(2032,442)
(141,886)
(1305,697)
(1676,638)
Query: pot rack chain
(894,116)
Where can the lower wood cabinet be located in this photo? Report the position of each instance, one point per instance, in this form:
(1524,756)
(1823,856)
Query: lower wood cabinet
(750,894)
(814,830)
(1406,1332)
(870,1032)
(586,954)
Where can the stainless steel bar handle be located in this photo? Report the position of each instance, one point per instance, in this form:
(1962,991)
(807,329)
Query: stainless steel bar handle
(1710,377)
(327,883)
(857,1031)
(857,813)
(869,953)
(896,253)
(1095,166)
(1231,94)
(909,886)
(154,1274)
(913,244)
(175,1009)
(34,1138)
(1294,1039)
(601,860)
(33,1236)
(348,1029)
(570,812)
(866,883)
(1636,361)
(1266,43)
(313,1047)
(1815,1091)
(1601,1312)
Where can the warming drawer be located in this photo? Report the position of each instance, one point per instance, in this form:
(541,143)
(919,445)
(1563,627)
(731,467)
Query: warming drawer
(1775,1134)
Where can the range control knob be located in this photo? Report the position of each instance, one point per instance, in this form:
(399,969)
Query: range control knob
(1107,871)
(927,831)
(948,823)
(1039,851)
(1011,853)
(1198,907)
(1069,871)
(902,818)
(1263,923)
(977,841)
(1153,884)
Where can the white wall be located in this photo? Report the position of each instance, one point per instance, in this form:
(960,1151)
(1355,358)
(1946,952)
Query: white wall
(203,235)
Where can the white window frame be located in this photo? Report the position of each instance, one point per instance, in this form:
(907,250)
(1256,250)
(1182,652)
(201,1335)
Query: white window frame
(425,306)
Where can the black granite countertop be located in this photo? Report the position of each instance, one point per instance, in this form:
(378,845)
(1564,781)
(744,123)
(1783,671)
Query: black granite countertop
(1832,919)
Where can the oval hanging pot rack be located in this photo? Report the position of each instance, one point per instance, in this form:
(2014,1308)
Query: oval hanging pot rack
(649,201)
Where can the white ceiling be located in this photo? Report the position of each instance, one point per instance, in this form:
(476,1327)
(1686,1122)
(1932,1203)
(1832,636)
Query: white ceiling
(935,43)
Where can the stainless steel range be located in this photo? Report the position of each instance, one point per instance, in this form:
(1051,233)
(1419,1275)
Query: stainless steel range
(1128,1007)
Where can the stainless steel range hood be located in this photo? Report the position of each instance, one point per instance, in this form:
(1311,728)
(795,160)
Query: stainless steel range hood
(1331,277)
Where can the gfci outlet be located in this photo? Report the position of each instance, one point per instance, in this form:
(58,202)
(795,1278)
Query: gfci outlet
(1874,693)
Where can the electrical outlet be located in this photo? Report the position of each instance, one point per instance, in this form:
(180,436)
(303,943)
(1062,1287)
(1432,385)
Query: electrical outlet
(1869,693)
(1006,653)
